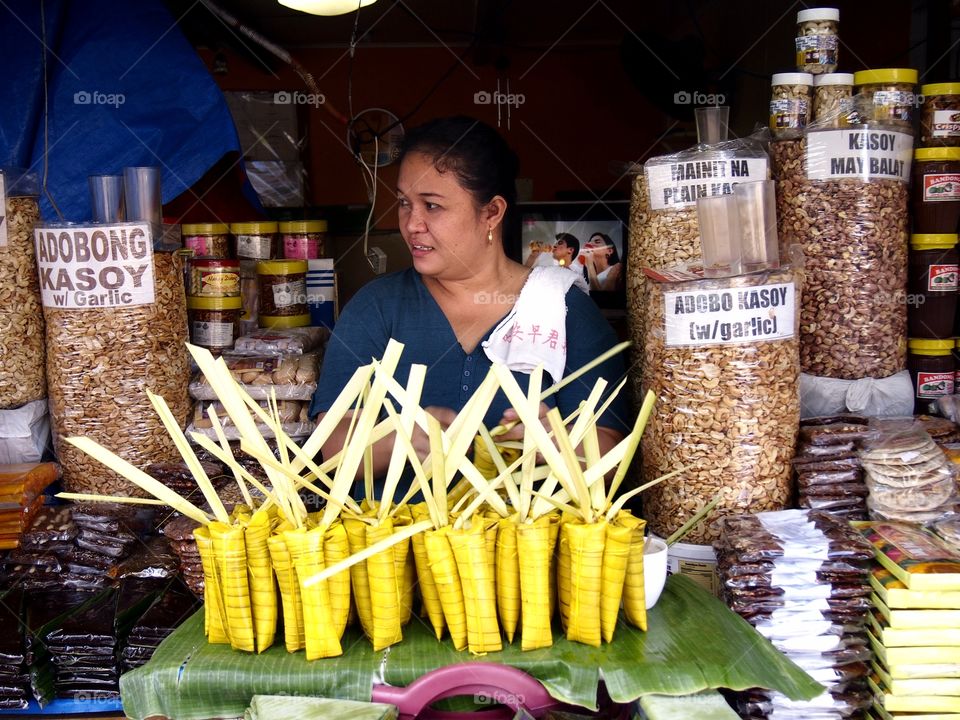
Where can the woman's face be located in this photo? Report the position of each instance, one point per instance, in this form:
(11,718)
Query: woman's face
(440,221)
(599,248)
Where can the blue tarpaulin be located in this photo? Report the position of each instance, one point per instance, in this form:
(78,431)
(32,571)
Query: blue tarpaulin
(123,88)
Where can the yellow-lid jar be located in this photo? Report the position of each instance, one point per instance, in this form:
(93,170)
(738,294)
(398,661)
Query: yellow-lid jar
(283,290)
(891,93)
(213,321)
(940,114)
(256,240)
(206,240)
(304,239)
(932,370)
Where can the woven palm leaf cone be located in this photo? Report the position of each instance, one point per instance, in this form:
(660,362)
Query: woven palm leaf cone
(263,593)
(447,579)
(634,591)
(307,557)
(428,585)
(356,530)
(616,556)
(230,556)
(336,548)
(405,566)
(214,615)
(535,552)
(386,592)
(294,635)
(472,550)
(508,576)
(585,543)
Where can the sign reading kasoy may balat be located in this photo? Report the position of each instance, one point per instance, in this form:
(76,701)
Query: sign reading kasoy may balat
(95,267)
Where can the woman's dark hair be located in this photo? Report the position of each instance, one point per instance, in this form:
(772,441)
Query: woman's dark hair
(570,241)
(473,151)
(614,255)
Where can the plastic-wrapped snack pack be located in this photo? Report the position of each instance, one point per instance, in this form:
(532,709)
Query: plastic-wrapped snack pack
(800,577)
(827,467)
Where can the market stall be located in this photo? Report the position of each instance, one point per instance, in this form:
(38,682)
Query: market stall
(777,519)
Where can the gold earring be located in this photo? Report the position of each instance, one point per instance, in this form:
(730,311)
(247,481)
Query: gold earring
(490,236)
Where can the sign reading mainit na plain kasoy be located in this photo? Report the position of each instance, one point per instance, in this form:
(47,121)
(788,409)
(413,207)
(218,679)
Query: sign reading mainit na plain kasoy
(83,268)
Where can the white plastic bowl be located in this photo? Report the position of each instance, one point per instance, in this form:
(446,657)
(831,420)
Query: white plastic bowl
(654,569)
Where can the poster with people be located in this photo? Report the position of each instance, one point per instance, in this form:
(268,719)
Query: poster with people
(591,247)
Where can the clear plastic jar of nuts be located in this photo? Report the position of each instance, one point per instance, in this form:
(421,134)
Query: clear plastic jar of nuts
(790,104)
(817,42)
(940,115)
(891,93)
(832,99)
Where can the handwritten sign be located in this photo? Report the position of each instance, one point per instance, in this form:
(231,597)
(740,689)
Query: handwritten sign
(678,185)
(87,268)
(730,316)
(862,154)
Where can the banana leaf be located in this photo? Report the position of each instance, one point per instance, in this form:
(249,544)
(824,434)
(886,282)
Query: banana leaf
(271,707)
(694,643)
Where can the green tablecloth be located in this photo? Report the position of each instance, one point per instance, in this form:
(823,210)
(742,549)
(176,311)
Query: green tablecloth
(694,643)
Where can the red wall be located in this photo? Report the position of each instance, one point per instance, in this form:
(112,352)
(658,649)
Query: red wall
(581,112)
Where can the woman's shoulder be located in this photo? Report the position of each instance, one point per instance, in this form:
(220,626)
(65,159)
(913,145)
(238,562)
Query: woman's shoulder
(386,288)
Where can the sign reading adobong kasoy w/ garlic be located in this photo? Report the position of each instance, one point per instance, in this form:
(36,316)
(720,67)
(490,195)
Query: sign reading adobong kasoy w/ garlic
(83,268)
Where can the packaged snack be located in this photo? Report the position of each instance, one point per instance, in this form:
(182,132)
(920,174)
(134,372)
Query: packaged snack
(289,377)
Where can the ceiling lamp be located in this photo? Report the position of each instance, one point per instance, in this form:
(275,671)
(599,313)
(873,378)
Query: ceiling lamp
(326,7)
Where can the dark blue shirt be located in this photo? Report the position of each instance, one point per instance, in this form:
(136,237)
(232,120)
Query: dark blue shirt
(399,306)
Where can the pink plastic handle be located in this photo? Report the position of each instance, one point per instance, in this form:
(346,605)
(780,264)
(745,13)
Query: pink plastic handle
(499,684)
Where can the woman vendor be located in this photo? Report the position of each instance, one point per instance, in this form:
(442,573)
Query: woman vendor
(464,303)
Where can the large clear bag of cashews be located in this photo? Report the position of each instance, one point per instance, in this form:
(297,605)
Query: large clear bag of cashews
(116,324)
(842,195)
(722,358)
(22,375)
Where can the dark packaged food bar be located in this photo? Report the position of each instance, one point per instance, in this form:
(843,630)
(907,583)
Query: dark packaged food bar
(153,559)
(831,477)
(53,524)
(836,433)
(834,420)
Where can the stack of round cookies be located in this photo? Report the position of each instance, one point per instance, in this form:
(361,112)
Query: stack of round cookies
(909,477)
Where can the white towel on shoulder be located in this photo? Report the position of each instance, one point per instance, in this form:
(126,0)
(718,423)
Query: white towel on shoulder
(534,332)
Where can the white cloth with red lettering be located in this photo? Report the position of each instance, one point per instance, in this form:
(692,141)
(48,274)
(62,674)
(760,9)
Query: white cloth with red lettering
(534,332)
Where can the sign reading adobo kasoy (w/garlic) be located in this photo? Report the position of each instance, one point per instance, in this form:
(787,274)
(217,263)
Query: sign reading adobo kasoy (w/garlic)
(730,315)
(94,267)
(859,153)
